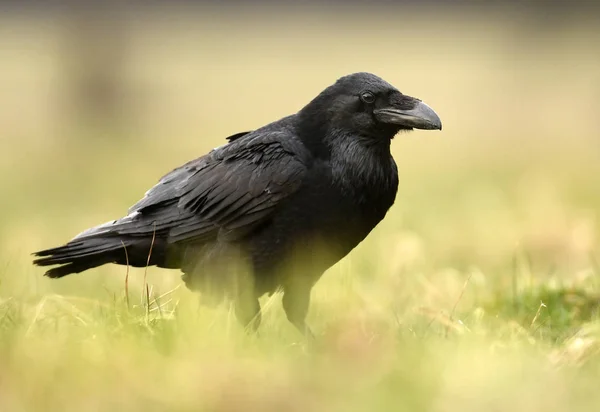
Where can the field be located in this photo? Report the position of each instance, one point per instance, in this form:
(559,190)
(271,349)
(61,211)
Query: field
(480,291)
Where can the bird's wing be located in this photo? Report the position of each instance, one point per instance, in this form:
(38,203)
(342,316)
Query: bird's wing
(223,194)
(237,136)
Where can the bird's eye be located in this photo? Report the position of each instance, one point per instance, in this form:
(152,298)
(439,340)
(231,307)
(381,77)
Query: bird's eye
(367,97)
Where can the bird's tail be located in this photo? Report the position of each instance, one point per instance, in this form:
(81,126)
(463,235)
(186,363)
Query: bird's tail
(77,256)
(97,247)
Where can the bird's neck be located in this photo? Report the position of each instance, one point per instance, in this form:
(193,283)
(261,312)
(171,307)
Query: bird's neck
(367,173)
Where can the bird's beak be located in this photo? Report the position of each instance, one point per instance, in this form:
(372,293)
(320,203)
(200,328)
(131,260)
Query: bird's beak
(420,116)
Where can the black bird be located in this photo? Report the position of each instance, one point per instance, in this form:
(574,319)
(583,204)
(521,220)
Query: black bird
(270,210)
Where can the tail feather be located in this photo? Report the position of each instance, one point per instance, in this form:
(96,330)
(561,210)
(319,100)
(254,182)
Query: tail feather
(86,253)
(129,240)
(76,250)
(77,267)
(81,254)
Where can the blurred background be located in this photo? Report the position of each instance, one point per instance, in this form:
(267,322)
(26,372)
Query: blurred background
(98,101)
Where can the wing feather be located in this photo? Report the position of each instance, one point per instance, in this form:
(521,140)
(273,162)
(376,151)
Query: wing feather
(224,194)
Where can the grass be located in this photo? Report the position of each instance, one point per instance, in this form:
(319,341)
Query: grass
(480,291)
(436,311)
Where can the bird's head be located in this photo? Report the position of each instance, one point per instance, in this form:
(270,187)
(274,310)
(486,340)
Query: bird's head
(366,105)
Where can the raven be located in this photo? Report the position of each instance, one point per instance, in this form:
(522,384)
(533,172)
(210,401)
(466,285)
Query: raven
(271,209)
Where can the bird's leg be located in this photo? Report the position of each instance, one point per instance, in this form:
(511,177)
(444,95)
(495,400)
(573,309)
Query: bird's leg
(296,299)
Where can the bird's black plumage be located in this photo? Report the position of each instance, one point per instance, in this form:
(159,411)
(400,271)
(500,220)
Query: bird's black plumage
(272,208)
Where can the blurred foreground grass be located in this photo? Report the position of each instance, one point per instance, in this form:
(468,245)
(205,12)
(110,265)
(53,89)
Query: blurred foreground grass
(479,292)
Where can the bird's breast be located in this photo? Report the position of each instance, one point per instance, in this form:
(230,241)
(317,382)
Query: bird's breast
(347,200)
(366,178)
